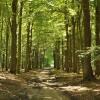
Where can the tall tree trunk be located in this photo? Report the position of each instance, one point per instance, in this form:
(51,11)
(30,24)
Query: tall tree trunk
(79,37)
(74,64)
(30,48)
(36,60)
(70,54)
(87,69)
(62,54)
(3,62)
(27,48)
(97,71)
(1,42)
(19,38)
(7,39)
(66,64)
(29,44)
(57,54)
(14,37)
(54,57)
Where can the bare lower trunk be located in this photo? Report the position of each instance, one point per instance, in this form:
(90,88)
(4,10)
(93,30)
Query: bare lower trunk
(97,63)
(19,38)
(7,40)
(14,37)
(87,68)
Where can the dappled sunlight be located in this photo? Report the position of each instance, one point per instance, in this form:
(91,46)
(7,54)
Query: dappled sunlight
(96,90)
(48,94)
(49,50)
(8,76)
(48,86)
(76,88)
(2,77)
(5,91)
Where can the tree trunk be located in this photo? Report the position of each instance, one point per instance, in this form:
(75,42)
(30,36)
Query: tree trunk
(62,61)
(70,54)
(19,38)
(14,37)
(7,39)
(3,62)
(30,48)
(1,42)
(80,31)
(54,58)
(57,54)
(74,64)
(97,71)
(27,48)
(87,69)
(66,64)
(36,60)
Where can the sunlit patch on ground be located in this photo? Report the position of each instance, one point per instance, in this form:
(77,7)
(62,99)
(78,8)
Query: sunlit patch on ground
(2,77)
(96,90)
(75,88)
(6,76)
(42,81)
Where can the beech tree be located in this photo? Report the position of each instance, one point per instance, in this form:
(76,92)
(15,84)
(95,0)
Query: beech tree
(14,37)
(97,8)
(87,68)
(19,37)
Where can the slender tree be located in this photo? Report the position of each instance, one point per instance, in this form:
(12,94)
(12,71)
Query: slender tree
(57,54)
(87,69)
(1,37)
(13,37)
(27,47)
(19,38)
(97,72)
(66,64)
(7,40)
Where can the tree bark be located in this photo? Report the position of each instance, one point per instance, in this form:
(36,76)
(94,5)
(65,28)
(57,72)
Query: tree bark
(7,40)
(19,38)
(97,63)
(1,42)
(66,64)
(14,37)
(74,64)
(27,48)
(57,54)
(87,68)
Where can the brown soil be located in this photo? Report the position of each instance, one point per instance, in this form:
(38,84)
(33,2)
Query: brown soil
(16,87)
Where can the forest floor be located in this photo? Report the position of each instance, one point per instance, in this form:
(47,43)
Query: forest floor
(47,85)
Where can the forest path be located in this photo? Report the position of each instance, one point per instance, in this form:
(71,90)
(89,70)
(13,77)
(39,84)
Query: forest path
(47,85)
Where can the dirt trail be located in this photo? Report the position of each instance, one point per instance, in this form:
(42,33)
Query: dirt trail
(47,85)
(68,84)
